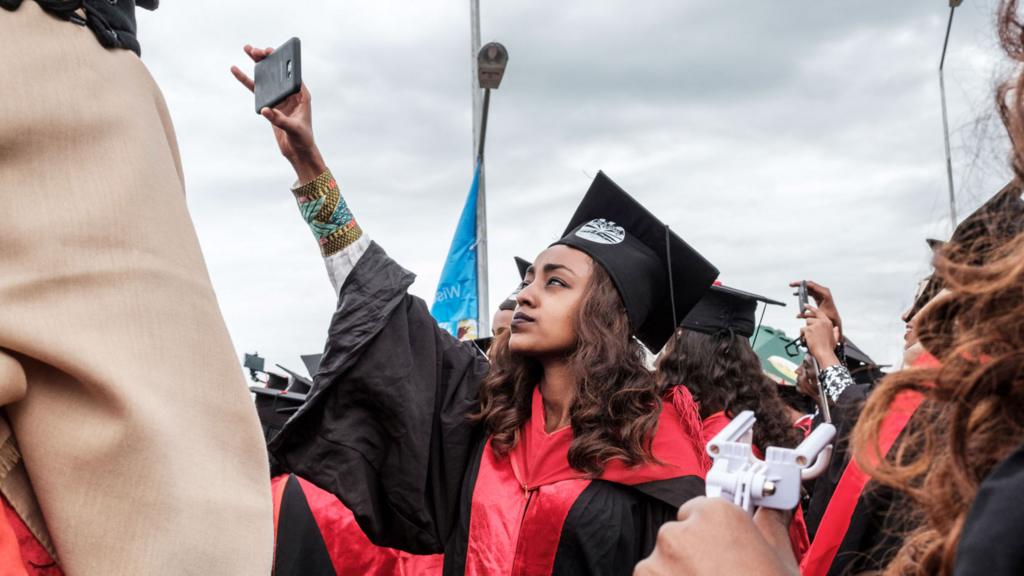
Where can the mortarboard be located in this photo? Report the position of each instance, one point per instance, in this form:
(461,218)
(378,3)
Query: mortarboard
(523,265)
(275,402)
(312,362)
(723,308)
(658,275)
(483,344)
(976,238)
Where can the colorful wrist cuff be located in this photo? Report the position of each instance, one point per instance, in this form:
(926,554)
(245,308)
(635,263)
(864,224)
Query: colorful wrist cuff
(327,214)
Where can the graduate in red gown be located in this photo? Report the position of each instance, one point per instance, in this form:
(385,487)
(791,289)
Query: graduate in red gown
(710,355)
(557,457)
(561,457)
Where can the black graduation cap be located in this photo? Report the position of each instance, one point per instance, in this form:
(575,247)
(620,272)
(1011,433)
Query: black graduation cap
(312,362)
(658,275)
(724,308)
(484,344)
(977,237)
(291,396)
(523,265)
(862,368)
(274,407)
(299,383)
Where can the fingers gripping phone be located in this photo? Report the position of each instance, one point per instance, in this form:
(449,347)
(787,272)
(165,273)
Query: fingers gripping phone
(802,296)
(279,75)
(803,300)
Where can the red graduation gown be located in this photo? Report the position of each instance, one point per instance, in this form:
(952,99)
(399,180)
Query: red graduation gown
(386,429)
(522,505)
(834,548)
(798,538)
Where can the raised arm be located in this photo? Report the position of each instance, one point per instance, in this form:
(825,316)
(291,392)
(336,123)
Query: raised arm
(385,427)
(341,240)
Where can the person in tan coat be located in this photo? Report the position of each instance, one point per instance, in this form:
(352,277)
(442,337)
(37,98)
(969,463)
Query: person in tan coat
(130,444)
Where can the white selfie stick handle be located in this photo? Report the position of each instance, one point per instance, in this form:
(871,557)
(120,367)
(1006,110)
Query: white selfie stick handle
(774,482)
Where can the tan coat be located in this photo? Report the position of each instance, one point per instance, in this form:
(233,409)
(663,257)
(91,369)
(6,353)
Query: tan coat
(118,374)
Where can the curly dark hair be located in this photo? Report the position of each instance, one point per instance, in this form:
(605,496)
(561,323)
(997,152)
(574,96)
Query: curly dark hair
(615,409)
(723,374)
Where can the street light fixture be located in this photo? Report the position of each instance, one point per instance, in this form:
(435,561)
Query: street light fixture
(490,64)
(491,60)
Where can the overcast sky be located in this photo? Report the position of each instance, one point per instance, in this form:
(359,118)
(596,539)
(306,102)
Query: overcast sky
(781,139)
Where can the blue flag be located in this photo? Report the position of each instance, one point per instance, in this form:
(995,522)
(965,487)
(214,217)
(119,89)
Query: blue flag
(455,303)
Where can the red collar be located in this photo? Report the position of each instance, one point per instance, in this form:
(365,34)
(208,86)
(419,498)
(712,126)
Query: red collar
(926,360)
(541,458)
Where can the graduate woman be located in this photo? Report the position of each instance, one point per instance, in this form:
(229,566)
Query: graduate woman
(710,355)
(561,458)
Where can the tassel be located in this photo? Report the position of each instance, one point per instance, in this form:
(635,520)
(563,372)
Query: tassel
(689,418)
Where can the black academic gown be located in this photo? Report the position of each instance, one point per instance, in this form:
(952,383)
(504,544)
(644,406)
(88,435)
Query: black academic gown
(386,430)
(990,543)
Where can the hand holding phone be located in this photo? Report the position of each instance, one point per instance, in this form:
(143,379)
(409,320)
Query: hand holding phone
(292,119)
(803,302)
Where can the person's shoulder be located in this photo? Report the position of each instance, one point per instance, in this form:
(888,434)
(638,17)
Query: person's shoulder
(990,540)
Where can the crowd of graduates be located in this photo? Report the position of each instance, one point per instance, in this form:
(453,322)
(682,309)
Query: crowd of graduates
(555,447)
(579,438)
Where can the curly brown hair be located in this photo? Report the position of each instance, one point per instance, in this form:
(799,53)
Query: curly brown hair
(723,374)
(972,414)
(615,408)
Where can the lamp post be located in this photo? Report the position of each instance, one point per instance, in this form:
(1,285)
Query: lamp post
(488,69)
(945,121)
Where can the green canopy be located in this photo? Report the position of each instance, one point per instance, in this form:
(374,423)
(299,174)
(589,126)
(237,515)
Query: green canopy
(778,363)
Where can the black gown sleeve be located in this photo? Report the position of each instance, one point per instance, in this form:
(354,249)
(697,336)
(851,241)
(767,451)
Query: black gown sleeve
(385,427)
(990,542)
(844,417)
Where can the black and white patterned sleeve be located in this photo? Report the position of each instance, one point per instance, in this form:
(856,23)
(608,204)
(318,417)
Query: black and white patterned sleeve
(834,380)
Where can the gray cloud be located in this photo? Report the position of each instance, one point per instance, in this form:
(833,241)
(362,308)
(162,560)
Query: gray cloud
(783,140)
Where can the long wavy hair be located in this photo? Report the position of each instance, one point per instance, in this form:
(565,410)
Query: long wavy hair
(723,374)
(972,413)
(615,408)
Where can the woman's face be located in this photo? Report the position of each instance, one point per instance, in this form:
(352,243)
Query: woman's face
(543,323)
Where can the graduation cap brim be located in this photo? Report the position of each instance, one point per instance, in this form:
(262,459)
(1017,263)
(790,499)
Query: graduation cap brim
(724,308)
(295,397)
(312,363)
(853,352)
(975,238)
(749,295)
(996,221)
(484,344)
(300,383)
(522,264)
(509,303)
(652,258)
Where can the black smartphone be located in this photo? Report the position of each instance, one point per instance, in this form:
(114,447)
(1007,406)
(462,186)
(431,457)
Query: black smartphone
(802,296)
(279,75)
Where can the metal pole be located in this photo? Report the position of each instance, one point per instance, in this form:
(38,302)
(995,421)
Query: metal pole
(483,308)
(483,123)
(945,121)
